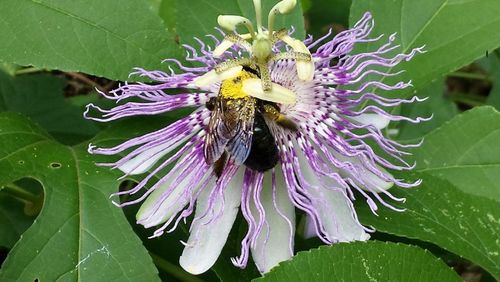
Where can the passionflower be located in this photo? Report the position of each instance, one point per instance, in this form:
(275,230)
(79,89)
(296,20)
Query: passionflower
(278,124)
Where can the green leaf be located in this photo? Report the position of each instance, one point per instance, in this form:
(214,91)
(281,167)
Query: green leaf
(439,213)
(102,38)
(79,234)
(465,152)
(437,105)
(363,261)
(197,18)
(454,32)
(41,98)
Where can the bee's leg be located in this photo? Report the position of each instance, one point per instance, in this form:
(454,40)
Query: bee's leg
(228,42)
(272,111)
(220,164)
(211,103)
(292,55)
(233,63)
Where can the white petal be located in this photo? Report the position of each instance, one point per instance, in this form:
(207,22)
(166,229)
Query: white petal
(334,207)
(275,241)
(170,206)
(365,179)
(222,47)
(278,93)
(208,238)
(212,77)
(145,160)
(374,182)
(376,120)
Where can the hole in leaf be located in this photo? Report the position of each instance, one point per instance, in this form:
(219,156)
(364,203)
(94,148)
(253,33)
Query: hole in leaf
(55,165)
(21,162)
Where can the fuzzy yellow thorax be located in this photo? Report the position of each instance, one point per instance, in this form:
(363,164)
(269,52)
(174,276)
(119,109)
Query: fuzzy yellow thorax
(233,88)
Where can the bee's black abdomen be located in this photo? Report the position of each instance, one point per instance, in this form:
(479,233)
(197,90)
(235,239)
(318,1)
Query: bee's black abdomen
(264,152)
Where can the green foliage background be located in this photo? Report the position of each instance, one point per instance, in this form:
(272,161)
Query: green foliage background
(57,223)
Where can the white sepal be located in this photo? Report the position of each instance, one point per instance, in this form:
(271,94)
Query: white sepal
(275,241)
(209,234)
(376,120)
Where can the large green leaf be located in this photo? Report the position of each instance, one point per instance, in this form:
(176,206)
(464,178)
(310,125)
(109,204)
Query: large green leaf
(79,234)
(104,38)
(363,261)
(41,98)
(197,18)
(454,32)
(465,152)
(439,213)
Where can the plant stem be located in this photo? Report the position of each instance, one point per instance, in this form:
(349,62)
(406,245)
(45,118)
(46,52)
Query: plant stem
(174,270)
(469,75)
(19,193)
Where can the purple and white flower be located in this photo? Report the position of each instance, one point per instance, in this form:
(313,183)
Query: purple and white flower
(322,166)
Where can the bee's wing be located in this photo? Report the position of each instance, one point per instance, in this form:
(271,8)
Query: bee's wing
(240,144)
(215,140)
(230,128)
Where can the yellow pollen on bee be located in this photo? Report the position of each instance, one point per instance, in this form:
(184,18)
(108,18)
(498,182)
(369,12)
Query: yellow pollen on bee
(232,88)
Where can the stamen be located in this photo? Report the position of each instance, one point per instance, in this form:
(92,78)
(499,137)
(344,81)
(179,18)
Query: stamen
(277,94)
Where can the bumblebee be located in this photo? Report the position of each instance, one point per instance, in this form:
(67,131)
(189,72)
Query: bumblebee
(237,128)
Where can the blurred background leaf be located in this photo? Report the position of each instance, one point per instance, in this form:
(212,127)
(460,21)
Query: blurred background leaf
(40,97)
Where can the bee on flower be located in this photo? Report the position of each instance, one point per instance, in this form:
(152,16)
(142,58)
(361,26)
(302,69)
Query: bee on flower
(279,124)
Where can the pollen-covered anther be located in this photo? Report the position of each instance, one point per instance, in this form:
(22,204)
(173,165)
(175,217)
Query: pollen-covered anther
(230,22)
(305,68)
(278,93)
(213,76)
(285,6)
